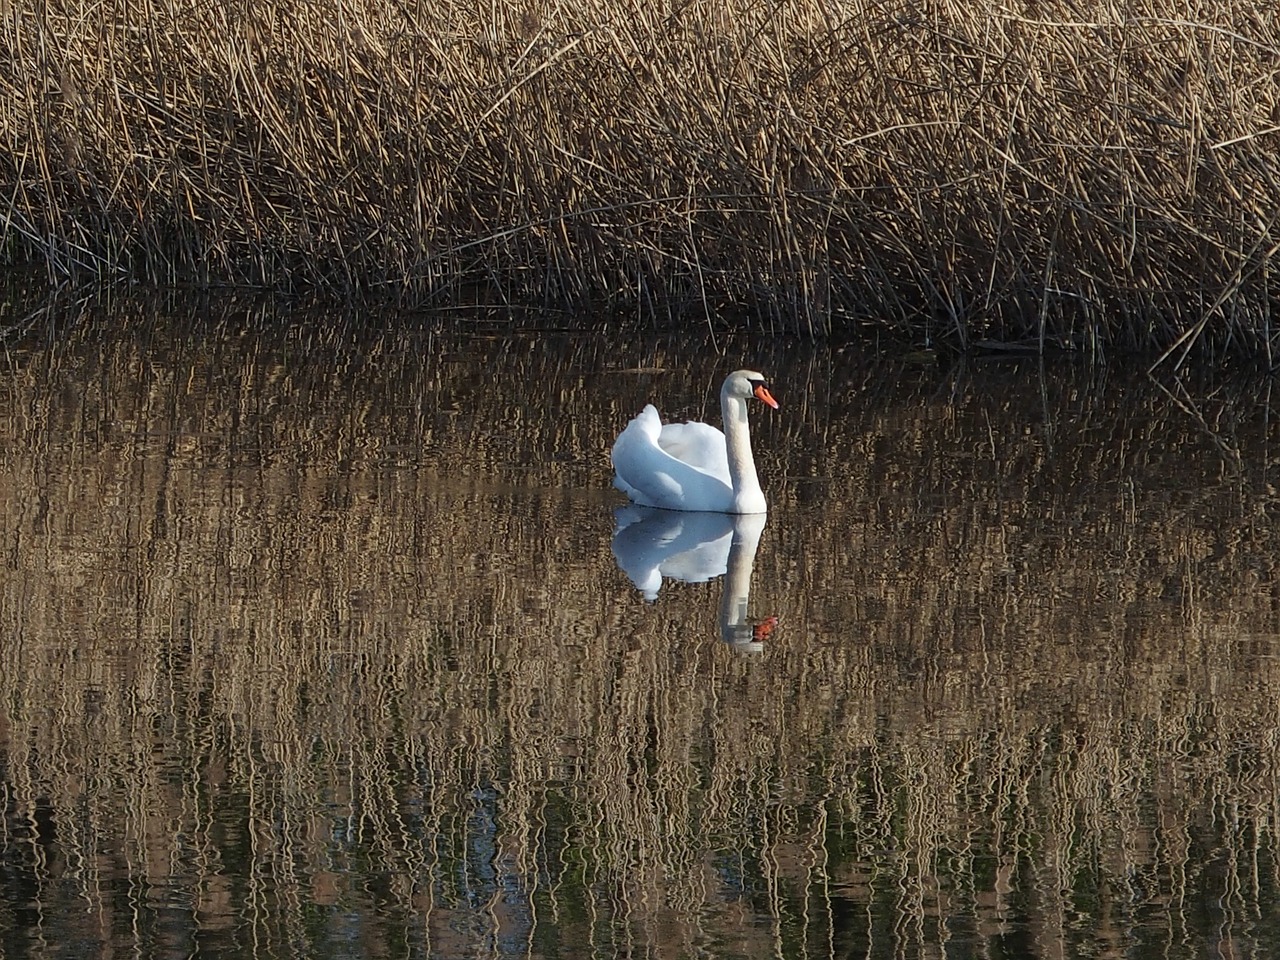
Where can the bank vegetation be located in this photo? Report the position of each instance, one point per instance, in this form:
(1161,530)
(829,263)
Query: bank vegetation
(1069,174)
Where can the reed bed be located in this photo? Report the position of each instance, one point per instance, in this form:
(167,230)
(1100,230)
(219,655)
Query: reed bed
(1075,174)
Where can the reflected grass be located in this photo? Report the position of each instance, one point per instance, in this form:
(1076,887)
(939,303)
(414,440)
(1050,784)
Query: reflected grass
(299,667)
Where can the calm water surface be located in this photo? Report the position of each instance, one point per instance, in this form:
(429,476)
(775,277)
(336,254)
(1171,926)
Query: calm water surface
(343,646)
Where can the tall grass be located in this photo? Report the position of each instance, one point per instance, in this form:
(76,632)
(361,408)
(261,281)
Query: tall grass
(1080,174)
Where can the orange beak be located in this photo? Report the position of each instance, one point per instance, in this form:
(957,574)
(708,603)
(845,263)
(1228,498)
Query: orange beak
(764,396)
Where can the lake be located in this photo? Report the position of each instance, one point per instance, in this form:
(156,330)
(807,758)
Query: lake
(333,640)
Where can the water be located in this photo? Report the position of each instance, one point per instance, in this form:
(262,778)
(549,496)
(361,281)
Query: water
(325,645)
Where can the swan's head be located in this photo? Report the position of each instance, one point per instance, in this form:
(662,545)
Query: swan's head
(745,384)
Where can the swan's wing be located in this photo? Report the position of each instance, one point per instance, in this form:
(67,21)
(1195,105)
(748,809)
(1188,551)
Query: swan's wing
(697,444)
(649,475)
(635,447)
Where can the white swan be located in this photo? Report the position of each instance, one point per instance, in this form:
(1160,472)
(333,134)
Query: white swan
(693,466)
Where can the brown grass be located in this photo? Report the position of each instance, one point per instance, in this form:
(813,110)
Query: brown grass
(1077,174)
(1084,175)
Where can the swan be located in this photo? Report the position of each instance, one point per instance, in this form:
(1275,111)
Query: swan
(693,466)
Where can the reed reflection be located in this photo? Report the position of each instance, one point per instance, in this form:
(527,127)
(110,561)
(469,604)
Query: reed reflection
(651,544)
(314,647)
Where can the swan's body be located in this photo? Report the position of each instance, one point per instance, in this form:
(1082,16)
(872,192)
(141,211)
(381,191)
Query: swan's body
(694,466)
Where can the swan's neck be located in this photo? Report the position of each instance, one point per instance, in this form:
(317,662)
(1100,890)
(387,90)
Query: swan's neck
(747,495)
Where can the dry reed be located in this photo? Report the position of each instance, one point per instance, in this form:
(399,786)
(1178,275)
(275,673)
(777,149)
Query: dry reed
(1076,175)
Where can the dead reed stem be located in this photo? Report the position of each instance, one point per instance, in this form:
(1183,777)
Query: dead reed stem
(1079,175)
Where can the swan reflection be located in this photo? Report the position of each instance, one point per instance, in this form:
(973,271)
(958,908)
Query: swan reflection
(650,544)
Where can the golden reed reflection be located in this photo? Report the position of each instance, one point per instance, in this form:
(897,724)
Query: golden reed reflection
(303,627)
